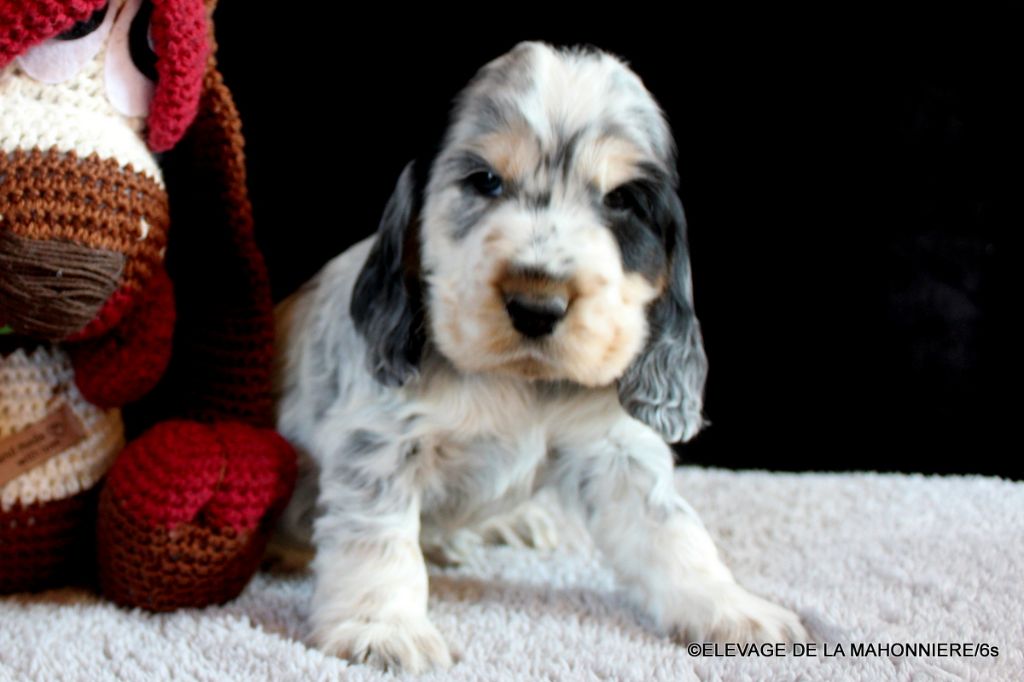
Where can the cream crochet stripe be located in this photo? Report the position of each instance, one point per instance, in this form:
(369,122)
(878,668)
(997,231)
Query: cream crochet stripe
(74,115)
(33,385)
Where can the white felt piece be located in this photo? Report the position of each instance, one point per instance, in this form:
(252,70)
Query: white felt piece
(75,115)
(863,558)
(129,91)
(56,61)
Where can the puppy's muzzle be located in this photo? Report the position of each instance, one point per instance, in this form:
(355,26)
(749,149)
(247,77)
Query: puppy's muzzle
(534,316)
(535,301)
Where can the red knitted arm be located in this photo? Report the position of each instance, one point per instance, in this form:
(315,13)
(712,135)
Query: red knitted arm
(127,362)
(179,33)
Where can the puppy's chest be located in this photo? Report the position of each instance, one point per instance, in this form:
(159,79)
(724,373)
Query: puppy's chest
(486,458)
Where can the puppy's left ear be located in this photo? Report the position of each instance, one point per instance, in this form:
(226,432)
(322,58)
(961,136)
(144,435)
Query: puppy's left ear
(664,387)
(386,302)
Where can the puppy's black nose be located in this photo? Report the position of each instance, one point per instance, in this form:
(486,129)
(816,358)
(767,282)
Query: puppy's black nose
(535,316)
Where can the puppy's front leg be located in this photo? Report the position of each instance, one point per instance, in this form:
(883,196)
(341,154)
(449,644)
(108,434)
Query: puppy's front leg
(370,603)
(657,544)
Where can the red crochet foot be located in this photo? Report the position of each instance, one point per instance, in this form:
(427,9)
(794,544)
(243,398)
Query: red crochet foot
(184,515)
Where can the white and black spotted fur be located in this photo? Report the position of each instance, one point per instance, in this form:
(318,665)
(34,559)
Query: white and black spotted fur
(522,320)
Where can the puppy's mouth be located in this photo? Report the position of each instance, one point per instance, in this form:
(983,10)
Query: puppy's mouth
(512,353)
(531,366)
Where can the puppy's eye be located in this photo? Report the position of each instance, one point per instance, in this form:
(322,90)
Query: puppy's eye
(486,183)
(620,199)
(634,198)
(140,42)
(86,26)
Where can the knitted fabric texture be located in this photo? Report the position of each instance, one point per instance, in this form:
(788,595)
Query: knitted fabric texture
(179,33)
(23,23)
(207,184)
(31,386)
(93,202)
(48,544)
(185,491)
(182,519)
(179,522)
(124,364)
(46,513)
(54,288)
(74,115)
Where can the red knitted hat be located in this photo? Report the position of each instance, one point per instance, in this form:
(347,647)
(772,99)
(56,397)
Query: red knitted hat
(24,23)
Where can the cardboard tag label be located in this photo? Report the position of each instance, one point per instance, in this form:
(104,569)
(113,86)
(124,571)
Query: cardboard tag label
(33,445)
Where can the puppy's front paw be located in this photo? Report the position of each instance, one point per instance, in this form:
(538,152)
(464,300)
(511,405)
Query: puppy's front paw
(725,612)
(412,646)
(528,525)
(457,549)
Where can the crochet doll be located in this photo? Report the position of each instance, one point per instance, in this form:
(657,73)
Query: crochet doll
(91,320)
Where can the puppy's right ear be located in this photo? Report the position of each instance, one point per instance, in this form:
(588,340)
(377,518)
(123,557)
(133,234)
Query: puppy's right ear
(386,300)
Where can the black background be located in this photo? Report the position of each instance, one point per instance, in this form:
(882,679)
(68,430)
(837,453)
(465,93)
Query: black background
(845,178)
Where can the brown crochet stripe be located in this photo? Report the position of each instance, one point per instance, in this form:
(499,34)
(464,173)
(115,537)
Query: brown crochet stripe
(93,202)
(162,569)
(48,545)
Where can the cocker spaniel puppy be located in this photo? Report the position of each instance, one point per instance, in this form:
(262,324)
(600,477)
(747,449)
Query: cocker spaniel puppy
(522,319)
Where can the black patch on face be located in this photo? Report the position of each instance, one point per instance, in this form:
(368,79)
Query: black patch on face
(642,223)
(641,250)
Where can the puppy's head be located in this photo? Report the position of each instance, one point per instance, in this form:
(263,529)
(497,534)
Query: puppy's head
(547,241)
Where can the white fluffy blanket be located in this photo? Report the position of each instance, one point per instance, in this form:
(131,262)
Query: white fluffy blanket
(866,559)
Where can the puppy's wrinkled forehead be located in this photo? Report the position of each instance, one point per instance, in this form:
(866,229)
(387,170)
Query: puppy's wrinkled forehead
(538,111)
